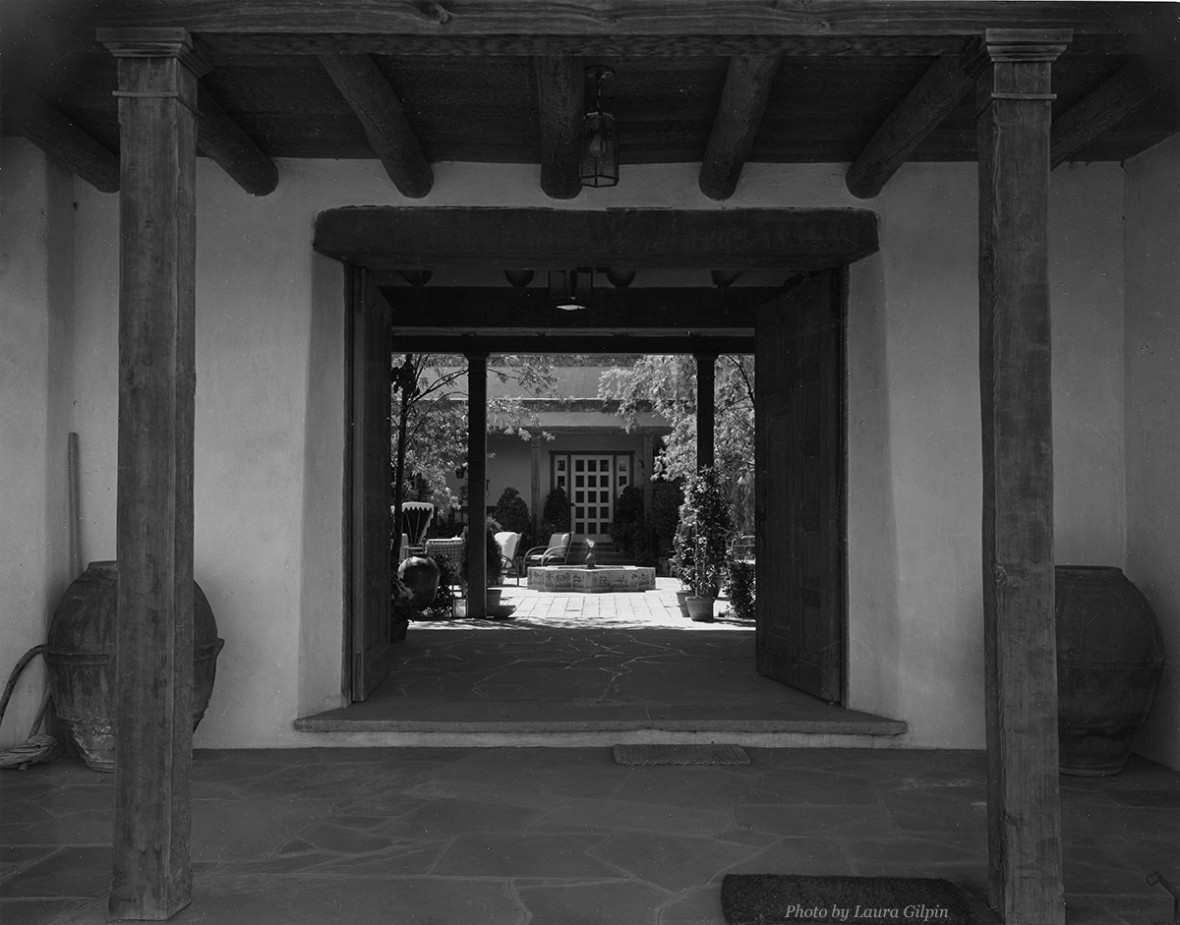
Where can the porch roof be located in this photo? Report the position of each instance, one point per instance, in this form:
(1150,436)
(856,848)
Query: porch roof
(698,81)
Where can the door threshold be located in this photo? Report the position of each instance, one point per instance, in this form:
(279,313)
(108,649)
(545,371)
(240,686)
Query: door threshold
(341,731)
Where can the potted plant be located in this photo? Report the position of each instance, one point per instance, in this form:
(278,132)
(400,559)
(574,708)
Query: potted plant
(741,588)
(683,563)
(707,513)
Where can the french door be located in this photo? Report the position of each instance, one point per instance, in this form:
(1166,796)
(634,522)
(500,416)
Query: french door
(592,500)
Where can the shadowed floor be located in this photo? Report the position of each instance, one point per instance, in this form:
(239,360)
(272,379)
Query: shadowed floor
(595,666)
(564,835)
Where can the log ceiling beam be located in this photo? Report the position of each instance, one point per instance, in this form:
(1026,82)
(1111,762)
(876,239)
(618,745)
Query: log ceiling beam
(1106,106)
(369,94)
(67,143)
(220,138)
(560,110)
(748,83)
(940,89)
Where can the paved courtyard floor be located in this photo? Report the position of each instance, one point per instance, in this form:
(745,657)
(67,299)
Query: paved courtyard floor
(565,836)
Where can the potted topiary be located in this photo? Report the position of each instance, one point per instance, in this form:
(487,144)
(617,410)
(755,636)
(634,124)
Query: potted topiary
(706,512)
(683,564)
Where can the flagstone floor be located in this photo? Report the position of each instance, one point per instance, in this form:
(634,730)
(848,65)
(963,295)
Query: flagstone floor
(564,836)
(587,669)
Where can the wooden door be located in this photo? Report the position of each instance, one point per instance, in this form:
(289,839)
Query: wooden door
(799,461)
(370,491)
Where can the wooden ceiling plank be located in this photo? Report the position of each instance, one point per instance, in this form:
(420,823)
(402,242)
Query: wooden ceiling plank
(67,143)
(748,83)
(376,105)
(560,108)
(1106,106)
(392,237)
(946,82)
(222,139)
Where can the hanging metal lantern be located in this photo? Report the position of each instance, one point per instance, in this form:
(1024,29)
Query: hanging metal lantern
(600,144)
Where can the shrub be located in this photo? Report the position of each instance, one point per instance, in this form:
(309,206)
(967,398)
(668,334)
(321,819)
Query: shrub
(740,584)
(666,500)
(513,514)
(627,529)
(555,515)
(442,607)
(707,511)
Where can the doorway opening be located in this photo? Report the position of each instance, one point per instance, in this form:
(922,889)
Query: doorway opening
(802,622)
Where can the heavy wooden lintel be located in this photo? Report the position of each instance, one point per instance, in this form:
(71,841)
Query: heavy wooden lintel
(504,310)
(222,139)
(748,82)
(560,111)
(585,342)
(1107,105)
(67,143)
(390,237)
(946,82)
(369,95)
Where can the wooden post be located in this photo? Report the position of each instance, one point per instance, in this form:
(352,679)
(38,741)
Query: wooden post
(477,478)
(706,413)
(152,874)
(535,447)
(647,462)
(1024,816)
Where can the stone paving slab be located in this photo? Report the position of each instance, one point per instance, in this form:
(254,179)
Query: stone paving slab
(541,835)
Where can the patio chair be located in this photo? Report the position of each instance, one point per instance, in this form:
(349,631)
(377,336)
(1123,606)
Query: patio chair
(508,542)
(553,554)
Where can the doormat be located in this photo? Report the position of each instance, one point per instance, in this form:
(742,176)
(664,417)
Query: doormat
(772,899)
(704,755)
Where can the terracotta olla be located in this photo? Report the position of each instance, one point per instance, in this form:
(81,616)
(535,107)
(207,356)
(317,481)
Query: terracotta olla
(420,575)
(1109,659)
(80,657)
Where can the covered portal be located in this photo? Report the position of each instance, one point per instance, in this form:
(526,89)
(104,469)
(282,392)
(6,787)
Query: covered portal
(759,104)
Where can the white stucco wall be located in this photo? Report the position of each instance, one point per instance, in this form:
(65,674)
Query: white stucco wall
(270,436)
(36,318)
(1153,417)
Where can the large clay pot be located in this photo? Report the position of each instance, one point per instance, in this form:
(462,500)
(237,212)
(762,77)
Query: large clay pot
(420,575)
(1110,654)
(80,657)
(700,609)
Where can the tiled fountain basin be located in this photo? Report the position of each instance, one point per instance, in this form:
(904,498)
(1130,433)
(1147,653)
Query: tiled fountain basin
(581,580)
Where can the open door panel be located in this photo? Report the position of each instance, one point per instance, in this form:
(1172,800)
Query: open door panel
(370,492)
(799,460)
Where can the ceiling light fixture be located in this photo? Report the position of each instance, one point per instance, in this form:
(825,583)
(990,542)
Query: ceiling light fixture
(600,148)
(564,292)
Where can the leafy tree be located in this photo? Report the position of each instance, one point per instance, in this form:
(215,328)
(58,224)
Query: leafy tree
(429,408)
(666,385)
